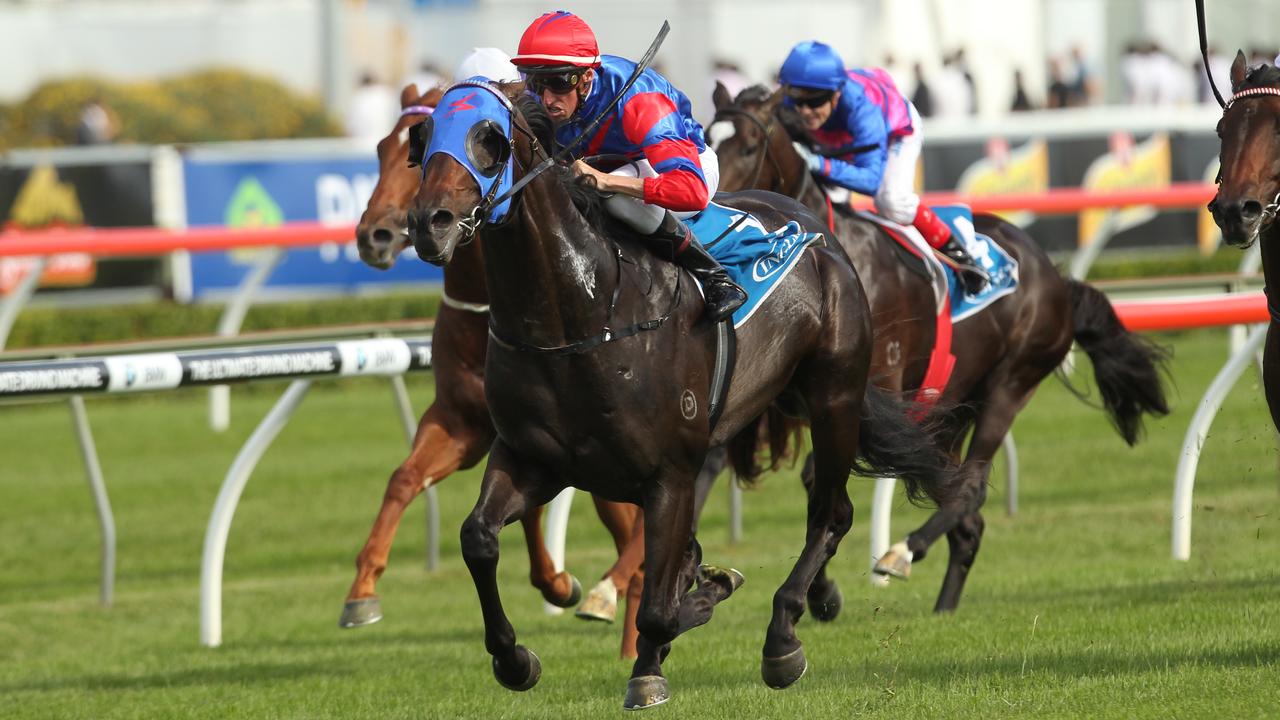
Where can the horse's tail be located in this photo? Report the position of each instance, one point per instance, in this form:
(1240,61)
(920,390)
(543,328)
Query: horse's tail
(894,442)
(783,436)
(1126,367)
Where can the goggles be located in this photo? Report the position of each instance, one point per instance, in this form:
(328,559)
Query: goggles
(807,98)
(557,82)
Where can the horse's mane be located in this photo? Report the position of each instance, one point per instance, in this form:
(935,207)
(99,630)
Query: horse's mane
(1260,76)
(581,188)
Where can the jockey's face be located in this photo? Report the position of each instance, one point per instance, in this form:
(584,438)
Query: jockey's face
(561,104)
(815,111)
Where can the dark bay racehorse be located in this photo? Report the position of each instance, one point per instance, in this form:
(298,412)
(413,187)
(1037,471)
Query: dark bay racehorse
(599,370)
(1001,354)
(455,432)
(1249,191)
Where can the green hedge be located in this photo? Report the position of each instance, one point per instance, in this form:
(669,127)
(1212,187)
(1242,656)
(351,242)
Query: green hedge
(205,106)
(43,326)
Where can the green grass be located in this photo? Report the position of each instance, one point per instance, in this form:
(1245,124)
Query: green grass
(1074,608)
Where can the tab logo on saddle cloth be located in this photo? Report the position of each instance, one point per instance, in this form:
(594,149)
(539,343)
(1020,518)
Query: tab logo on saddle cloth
(792,241)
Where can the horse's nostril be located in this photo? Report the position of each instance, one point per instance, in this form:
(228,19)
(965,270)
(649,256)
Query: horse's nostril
(1251,210)
(441,219)
(383,236)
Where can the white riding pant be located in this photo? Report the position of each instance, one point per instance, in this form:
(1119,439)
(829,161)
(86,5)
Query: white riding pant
(645,218)
(896,199)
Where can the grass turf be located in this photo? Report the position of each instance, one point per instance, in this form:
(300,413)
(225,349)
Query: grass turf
(1074,608)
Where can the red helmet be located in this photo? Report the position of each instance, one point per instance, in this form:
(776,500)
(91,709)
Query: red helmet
(558,40)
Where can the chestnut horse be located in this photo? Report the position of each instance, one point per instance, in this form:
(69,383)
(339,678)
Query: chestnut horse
(599,370)
(456,431)
(1001,354)
(1248,195)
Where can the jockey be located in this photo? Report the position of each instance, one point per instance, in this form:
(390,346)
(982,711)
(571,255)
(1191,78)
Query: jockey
(674,173)
(864,108)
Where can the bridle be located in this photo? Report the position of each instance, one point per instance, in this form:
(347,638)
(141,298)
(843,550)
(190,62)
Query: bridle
(1272,209)
(766,133)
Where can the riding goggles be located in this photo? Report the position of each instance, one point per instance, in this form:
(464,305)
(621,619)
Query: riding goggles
(807,98)
(557,82)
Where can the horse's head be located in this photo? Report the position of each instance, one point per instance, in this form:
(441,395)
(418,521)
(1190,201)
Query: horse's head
(1249,184)
(478,139)
(383,232)
(751,141)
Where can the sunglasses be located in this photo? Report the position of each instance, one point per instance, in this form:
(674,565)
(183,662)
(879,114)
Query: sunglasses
(812,102)
(557,83)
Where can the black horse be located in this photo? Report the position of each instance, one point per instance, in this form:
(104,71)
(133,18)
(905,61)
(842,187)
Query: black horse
(1249,190)
(1001,354)
(598,375)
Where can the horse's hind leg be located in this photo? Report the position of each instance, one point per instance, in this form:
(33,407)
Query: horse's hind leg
(508,491)
(438,450)
(965,536)
(601,602)
(824,597)
(835,420)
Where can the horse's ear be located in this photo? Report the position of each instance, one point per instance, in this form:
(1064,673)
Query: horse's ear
(720,97)
(1237,71)
(432,98)
(408,95)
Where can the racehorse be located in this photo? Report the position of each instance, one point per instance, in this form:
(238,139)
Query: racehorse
(1248,196)
(1001,354)
(599,371)
(456,431)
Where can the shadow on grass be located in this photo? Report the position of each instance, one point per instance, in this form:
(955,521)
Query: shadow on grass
(243,674)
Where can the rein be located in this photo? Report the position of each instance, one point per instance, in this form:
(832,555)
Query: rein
(766,130)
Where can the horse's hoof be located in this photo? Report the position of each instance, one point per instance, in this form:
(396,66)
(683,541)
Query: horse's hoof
(728,577)
(827,606)
(575,595)
(781,672)
(646,691)
(895,563)
(358,613)
(601,603)
(535,671)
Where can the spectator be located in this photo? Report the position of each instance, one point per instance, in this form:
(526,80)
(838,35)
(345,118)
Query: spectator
(922,96)
(97,124)
(952,95)
(1138,79)
(1059,93)
(897,71)
(374,108)
(427,76)
(1173,85)
(1021,102)
(1084,86)
(1220,66)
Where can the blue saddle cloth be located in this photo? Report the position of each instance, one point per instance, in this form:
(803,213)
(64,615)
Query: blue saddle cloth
(755,257)
(1000,266)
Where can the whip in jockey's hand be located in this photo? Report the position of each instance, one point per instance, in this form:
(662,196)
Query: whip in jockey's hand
(863,108)
(673,174)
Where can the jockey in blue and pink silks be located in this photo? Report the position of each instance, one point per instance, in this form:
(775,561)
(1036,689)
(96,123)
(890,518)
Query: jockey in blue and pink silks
(673,174)
(863,108)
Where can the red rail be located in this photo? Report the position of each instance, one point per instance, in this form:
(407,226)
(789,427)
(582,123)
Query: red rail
(1194,312)
(106,242)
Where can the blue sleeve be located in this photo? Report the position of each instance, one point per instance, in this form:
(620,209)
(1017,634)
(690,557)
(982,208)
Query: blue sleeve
(863,174)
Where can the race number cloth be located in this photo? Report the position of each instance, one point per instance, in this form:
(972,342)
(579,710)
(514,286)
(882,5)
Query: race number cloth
(754,257)
(1000,267)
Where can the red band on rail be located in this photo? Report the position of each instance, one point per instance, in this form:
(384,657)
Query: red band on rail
(1195,312)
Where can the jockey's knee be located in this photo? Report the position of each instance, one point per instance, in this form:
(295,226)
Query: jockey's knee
(642,218)
(897,207)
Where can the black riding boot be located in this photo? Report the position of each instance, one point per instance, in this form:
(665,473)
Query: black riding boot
(723,295)
(971,273)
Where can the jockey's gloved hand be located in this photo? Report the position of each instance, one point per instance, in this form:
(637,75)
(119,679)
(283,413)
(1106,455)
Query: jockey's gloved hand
(811,159)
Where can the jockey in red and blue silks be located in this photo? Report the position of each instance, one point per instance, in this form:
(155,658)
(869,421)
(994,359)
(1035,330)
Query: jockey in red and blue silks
(863,108)
(673,174)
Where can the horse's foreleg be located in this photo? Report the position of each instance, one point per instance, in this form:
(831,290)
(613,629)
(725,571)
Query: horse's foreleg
(508,491)
(437,452)
(669,567)
(830,516)
(557,587)
(824,596)
(601,602)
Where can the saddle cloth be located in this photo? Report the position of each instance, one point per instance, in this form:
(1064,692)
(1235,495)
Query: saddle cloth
(756,258)
(1000,266)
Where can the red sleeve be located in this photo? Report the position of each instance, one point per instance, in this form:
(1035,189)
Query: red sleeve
(650,121)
